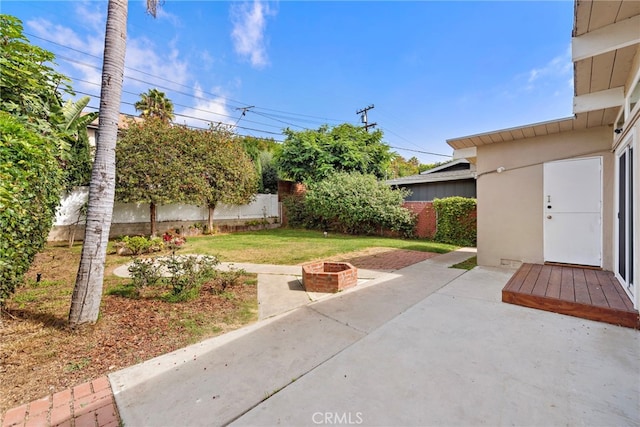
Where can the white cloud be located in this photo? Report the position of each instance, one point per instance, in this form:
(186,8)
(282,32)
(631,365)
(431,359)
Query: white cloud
(91,15)
(143,55)
(558,68)
(84,68)
(248,34)
(206,60)
(205,111)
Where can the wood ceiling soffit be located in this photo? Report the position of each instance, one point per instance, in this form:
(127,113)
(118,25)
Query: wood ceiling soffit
(540,130)
(601,78)
(486,139)
(566,125)
(604,13)
(517,134)
(461,143)
(506,136)
(594,118)
(628,9)
(553,128)
(610,115)
(582,77)
(528,132)
(622,65)
(495,137)
(580,121)
(581,18)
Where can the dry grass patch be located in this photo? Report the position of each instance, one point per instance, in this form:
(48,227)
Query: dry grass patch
(39,355)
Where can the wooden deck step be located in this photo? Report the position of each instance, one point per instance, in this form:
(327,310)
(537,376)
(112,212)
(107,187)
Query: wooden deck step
(586,293)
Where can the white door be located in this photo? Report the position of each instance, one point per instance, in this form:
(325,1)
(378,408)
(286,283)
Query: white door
(573,211)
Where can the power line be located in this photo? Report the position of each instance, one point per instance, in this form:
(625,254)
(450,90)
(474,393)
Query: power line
(127,68)
(421,152)
(292,116)
(174,103)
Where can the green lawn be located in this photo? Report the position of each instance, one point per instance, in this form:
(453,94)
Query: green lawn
(290,247)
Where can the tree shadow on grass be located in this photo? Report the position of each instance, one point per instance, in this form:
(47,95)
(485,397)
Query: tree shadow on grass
(45,319)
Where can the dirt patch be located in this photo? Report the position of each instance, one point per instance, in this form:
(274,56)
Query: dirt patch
(39,355)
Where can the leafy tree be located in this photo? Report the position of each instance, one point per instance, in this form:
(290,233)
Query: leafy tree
(401,167)
(312,155)
(269,181)
(258,145)
(425,167)
(159,163)
(29,195)
(32,92)
(37,134)
(87,292)
(230,175)
(261,152)
(77,165)
(154,103)
(156,164)
(31,89)
(354,203)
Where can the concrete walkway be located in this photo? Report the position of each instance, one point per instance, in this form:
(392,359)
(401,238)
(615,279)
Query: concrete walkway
(429,346)
(280,286)
(424,345)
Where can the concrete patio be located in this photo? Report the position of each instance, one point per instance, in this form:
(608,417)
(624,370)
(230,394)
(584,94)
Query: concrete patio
(423,345)
(431,346)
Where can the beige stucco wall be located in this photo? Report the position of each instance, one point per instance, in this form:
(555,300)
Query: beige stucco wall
(510,204)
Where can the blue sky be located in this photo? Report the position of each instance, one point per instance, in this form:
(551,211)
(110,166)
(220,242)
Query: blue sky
(433,70)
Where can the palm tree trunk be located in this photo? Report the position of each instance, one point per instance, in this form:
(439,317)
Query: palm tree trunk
(87,293)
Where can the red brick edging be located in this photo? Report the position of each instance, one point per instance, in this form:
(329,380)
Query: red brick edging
(89,404)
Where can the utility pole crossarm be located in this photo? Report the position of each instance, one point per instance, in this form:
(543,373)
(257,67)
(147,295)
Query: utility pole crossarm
(244,112)
(364,118)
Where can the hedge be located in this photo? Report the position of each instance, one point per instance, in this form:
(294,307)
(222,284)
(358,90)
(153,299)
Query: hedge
(351,203)
(30,184)
(456,221)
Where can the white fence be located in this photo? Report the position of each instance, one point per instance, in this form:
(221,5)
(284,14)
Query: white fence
(125,215)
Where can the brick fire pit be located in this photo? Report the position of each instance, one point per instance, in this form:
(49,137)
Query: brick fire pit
(328,276)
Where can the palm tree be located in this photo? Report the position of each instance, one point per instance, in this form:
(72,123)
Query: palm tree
(87,293)
(155,104)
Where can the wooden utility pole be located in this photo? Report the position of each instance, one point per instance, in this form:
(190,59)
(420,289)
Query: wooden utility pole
(364,119)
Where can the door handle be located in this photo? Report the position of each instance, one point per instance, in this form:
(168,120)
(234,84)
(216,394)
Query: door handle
(548,216)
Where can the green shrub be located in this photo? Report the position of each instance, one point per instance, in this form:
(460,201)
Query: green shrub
(30,187)
(357,204)
(456,221)
(137,245)
(296,212)
(187,274)
(183,275)
(224,279)
(144,272)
